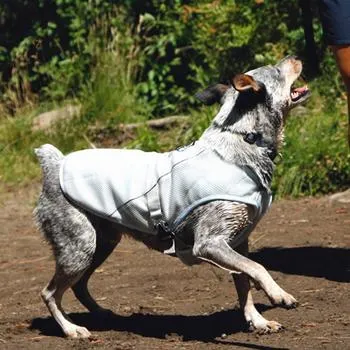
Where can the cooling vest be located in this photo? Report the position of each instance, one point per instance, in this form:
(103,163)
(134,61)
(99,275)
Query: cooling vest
(142,190)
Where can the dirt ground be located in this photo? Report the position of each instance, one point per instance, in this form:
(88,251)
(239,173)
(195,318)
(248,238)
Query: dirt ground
(161,304)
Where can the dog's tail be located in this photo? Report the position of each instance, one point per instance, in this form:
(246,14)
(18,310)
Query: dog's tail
(48,154)
(50,159)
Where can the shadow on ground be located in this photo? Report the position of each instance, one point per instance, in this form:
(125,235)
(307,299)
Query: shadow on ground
(201,328)
(330,263)
(323,262)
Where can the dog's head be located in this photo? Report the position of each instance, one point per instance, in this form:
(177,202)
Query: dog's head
(255,104)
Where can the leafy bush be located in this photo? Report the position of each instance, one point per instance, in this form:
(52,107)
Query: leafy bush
(107,99)
(316,159)
(49,47)
(190,44)
(131,60)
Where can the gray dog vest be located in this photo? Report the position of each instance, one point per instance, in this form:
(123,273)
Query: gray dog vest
(142,190)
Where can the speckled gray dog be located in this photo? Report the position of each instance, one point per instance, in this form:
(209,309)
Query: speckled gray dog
(200,222)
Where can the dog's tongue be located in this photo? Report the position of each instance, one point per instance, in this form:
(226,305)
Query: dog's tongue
(298,92)
(300,89)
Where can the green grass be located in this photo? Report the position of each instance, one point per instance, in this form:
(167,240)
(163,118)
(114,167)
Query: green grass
(316,157)
(107,99)
(110,96)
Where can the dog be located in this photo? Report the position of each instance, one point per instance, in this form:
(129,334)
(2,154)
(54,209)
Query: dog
(198,203)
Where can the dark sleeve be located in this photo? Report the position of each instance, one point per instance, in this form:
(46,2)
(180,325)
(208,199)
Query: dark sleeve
(335,18)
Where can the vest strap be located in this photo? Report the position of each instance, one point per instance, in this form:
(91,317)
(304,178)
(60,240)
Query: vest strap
(160,226)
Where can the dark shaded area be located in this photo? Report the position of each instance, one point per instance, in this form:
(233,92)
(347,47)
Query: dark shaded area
(17,19)
(310,45)
(330,263)
(201,328)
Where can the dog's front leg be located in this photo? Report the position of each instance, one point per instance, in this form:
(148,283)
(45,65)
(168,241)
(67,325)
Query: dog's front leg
(217,251)
(253,318)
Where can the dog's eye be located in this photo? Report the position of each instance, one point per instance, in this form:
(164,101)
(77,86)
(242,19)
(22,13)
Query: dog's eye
(278,71)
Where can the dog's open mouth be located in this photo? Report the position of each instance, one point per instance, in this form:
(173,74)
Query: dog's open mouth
(299,94)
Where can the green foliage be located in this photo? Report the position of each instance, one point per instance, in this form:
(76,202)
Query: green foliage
(110,96)
(130,60)
(108,99)
(316,159)
(50,47)
(200,119)
(146,140)
(16,163)
(190,44)
(53,46)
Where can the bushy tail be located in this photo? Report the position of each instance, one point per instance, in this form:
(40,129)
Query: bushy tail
(48,154)
(49,158)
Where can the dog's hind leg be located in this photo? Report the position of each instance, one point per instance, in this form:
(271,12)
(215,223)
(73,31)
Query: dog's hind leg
(74,240)
(107,239)
(52,296)
(253,318)
(71,235)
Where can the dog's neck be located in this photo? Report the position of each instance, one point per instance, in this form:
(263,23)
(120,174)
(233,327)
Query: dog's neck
(234,149)
(247,137)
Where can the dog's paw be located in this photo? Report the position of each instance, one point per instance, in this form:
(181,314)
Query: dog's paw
(74,331)
(257,323)
(269,327)
(284,299)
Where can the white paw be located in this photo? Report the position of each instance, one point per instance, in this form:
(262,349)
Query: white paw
(283,299)
(266,328)
(257,322)
(74,331)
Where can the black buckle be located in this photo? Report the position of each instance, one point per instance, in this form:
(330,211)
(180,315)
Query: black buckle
(164,233)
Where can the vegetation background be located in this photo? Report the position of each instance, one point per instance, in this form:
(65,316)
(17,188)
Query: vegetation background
(127,61)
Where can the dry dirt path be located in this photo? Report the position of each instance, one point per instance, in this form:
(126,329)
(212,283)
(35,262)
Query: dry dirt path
(161,304)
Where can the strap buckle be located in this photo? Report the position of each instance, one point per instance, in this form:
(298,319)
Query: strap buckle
(163,231)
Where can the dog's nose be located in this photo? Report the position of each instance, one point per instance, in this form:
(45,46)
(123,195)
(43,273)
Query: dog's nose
(297,59)
(293,62)
(292,58)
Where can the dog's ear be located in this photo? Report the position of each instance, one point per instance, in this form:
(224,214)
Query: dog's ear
(212,94)
(244,82)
